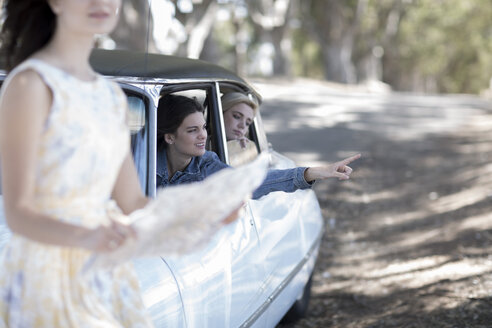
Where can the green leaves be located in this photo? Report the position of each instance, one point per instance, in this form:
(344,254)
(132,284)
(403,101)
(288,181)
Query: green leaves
(448,42)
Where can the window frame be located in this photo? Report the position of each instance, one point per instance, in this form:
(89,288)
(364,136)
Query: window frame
(256,130)
(148,182)
(214,119)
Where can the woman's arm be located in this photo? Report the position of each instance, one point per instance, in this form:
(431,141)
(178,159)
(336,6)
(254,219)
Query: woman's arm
(339,170)
(127,191)
(24,108)
(286,180)
(290,180)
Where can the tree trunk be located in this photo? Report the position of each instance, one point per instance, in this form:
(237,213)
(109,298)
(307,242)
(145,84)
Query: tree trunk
(134,29)
(272,17)
(283,48)
(198,25)
(337,60)
(334,23)
(201,31)
(240,47)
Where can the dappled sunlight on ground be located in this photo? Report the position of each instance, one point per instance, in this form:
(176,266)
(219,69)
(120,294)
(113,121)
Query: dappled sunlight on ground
(408,239)
(413,118)
(307,159)
(413,246)
(460,199)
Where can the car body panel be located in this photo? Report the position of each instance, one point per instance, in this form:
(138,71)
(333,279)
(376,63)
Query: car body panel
(229,267)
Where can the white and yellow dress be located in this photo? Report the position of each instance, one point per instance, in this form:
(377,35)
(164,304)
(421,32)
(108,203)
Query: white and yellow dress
(84,142)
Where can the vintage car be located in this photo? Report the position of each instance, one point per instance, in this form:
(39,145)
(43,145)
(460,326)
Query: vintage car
(256,270)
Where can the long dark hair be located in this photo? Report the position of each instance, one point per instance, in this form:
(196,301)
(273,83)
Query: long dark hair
(28,26)
(171,112)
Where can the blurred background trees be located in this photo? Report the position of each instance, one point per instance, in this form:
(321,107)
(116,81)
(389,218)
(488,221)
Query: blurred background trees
(412,45)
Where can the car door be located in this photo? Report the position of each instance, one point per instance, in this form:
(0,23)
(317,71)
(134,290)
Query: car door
(289,226)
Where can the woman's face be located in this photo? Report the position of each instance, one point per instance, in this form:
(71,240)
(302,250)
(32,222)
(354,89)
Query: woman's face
(191,136)
(237,121)
(86,16)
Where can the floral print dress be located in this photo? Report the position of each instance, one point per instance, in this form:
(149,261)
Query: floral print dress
(82,148)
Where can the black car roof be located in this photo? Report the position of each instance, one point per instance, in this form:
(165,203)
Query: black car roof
(147,65)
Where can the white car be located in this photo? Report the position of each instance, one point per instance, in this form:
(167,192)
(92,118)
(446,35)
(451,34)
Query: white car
(256,270)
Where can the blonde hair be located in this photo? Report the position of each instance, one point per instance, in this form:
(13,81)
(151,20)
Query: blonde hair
(231,99)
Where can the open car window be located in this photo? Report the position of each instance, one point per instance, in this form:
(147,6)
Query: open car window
(203,97)
(198,94)
(139,132)
(240,153)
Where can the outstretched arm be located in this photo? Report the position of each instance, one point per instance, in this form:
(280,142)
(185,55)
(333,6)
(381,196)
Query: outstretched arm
(339,170)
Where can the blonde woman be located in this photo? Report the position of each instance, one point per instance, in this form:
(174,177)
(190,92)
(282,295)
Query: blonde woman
(239,111)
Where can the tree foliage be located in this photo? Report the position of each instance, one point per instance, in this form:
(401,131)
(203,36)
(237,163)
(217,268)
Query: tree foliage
(413,45)
(446,45)
(419,45)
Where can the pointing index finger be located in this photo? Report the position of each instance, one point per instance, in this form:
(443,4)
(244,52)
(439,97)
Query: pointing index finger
(351,159)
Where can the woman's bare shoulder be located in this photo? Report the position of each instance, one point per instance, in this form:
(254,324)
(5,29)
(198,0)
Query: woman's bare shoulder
(26,95)
(26,87)
(26,82)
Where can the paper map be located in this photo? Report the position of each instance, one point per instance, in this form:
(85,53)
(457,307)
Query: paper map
(183,218)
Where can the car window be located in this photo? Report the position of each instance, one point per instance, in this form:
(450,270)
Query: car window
(203,97)
(137,123)
(242,153)
(257,132)
(199,94)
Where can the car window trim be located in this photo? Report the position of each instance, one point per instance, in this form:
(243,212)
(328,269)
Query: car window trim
(150,107)
(214,111)
(222,150)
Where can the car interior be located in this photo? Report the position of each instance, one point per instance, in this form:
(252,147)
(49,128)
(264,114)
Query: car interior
(138,121)
(203,97)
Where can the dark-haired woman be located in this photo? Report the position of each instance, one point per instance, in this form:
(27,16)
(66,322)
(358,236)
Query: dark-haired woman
(182,158)
(66,166)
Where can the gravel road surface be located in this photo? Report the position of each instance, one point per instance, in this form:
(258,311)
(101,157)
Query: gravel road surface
(409,237)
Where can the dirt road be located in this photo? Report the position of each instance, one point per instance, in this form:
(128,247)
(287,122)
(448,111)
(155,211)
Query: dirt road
(409,237)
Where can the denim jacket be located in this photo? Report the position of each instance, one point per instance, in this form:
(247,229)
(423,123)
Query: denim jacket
(288,180)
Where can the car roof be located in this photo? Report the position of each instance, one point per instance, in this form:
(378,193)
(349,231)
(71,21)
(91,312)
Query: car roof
(158,66)
(123,63)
